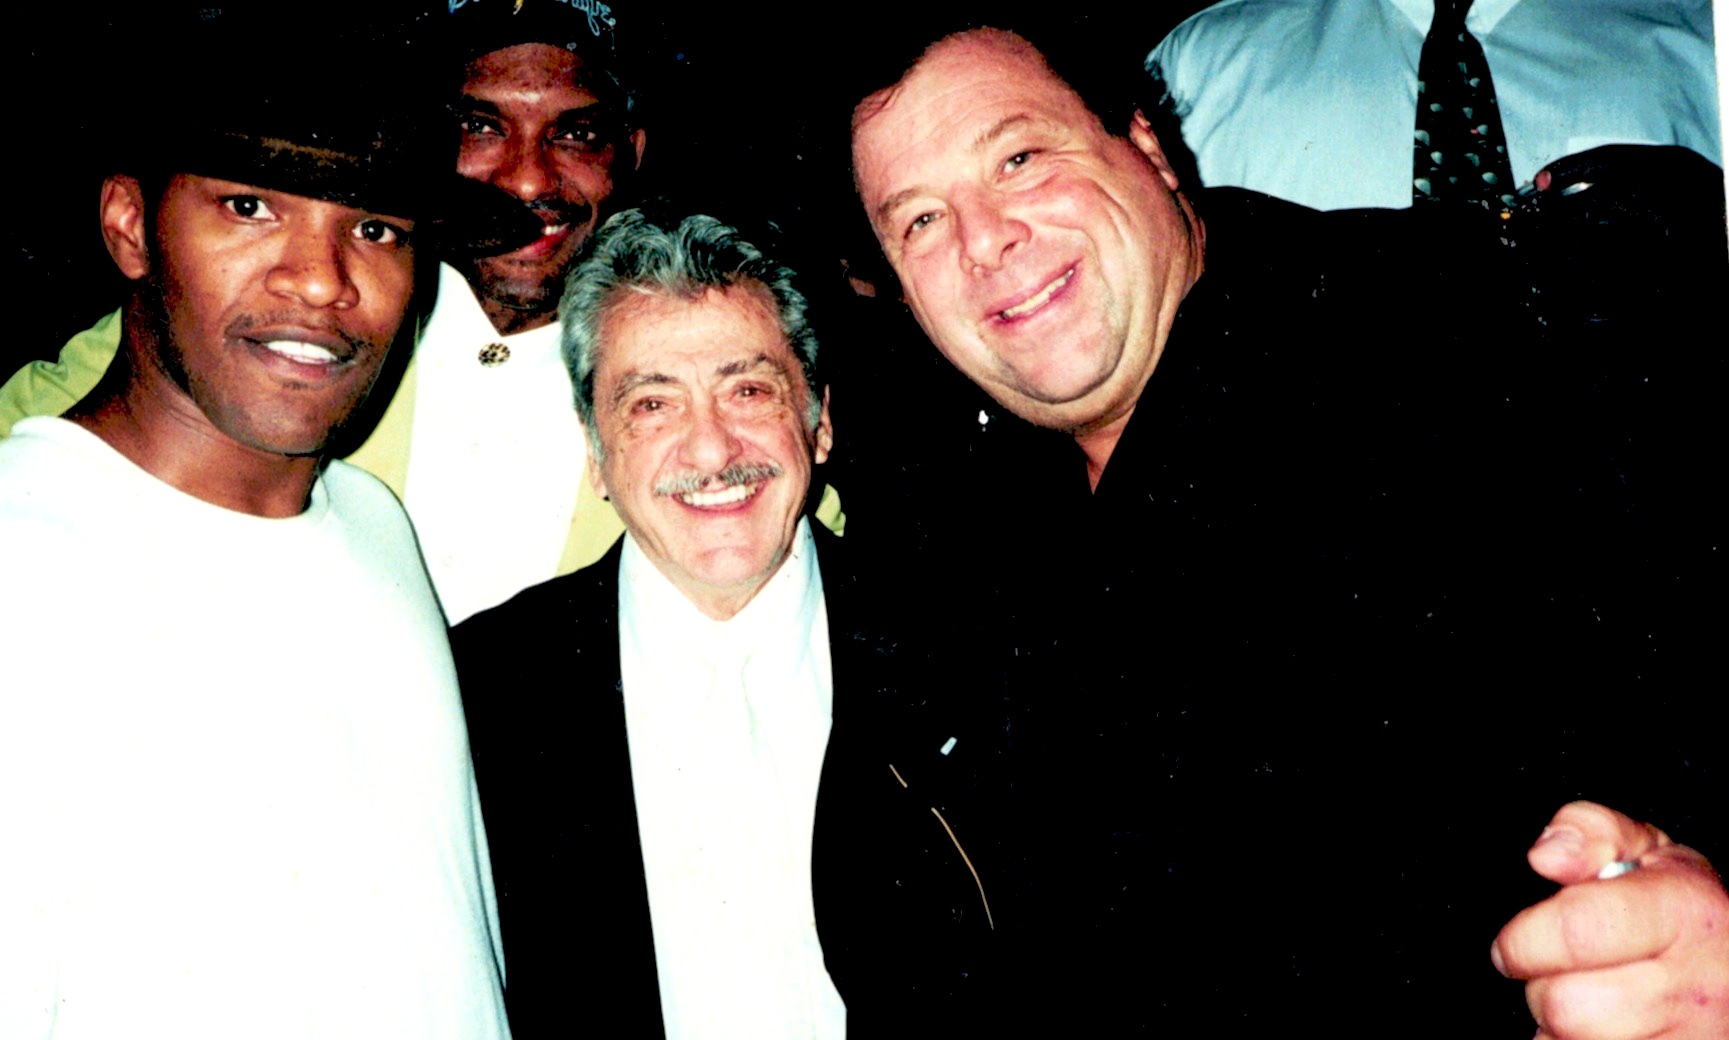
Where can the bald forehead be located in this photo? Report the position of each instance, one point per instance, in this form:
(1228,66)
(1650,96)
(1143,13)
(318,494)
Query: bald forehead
(937,101)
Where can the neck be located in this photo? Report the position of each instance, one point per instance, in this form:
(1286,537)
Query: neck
(141,413)
(723,609)
(1098,444)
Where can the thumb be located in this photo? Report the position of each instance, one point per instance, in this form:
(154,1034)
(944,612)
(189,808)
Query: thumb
(1585,837)
(1593,165)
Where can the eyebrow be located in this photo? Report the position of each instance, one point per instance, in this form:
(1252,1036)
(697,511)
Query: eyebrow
(587,114)
(984,140)
(596,108)
(633,380)
(894,202)
(1001,127)
(222,188)
(595,115)
(733,368)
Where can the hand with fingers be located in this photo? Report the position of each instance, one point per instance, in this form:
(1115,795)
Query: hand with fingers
(1636,943)
(1626,182)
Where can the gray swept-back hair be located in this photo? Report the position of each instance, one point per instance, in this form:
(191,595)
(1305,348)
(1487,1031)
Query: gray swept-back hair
(633,253)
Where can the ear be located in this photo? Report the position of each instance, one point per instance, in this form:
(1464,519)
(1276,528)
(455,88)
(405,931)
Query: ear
(596,482)
(1147,143)
(638,139)
(823,441)
(125,225)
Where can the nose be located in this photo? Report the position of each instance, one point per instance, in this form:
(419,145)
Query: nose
(313,268)
(524,170)
(709,445)
(987,232)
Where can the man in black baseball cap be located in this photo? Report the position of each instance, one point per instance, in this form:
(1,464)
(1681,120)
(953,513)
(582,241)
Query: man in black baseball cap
(548,114)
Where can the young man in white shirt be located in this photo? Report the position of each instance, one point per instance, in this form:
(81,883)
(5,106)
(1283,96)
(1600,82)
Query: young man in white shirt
(234,773)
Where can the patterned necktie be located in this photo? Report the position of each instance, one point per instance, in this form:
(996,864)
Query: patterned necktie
(1461,151)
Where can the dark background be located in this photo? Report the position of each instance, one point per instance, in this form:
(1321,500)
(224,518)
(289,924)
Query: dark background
(749,104)
(750,109)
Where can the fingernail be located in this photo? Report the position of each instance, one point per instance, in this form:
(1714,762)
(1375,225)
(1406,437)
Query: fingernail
(1562,837)
(1495,958)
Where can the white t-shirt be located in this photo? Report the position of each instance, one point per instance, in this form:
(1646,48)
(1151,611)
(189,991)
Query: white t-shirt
(235,790)
(728,723)
(496,457)
(1315,102)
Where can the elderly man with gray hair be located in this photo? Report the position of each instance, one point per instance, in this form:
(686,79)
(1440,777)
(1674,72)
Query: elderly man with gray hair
(720,807)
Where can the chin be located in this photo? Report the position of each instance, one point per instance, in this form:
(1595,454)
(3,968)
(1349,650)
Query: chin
(304,445)
(738,569)
(1066,388)
(290,434)
(515,284)
(533,297)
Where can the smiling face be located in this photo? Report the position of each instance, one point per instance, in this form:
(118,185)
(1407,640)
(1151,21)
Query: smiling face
(701,409)
(1043,256)
(276,310)
(530,127)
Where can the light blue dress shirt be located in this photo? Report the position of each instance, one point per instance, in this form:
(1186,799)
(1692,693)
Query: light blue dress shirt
(1314,100)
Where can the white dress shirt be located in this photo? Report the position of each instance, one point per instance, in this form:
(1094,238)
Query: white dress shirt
(1315,102)
(728,722)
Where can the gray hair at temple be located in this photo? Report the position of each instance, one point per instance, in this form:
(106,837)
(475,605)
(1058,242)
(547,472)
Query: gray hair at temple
(636,253)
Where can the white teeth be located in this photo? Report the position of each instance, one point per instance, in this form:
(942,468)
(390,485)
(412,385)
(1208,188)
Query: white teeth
(311,353)
(1028,306)
(553,229)
(723,497)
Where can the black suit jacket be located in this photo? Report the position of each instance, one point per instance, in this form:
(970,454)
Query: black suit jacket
(1368,590)
(903,922)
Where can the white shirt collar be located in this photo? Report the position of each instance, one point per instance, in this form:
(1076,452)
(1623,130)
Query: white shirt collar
(1482,18)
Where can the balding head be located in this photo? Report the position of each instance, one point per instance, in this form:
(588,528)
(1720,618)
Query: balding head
(1044,255)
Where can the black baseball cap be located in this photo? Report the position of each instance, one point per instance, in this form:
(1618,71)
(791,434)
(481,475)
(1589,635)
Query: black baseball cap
(611,55)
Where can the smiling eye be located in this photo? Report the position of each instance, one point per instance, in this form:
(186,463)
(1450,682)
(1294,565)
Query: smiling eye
(480,126)
(581,133)
(381,232)
(919,223)
(581,138)
(1016,161)
(247,207)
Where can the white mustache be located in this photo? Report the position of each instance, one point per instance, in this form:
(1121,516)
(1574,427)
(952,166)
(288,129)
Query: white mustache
(737,473)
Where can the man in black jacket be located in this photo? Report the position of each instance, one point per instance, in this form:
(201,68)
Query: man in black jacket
(728,825)
(1282,608)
